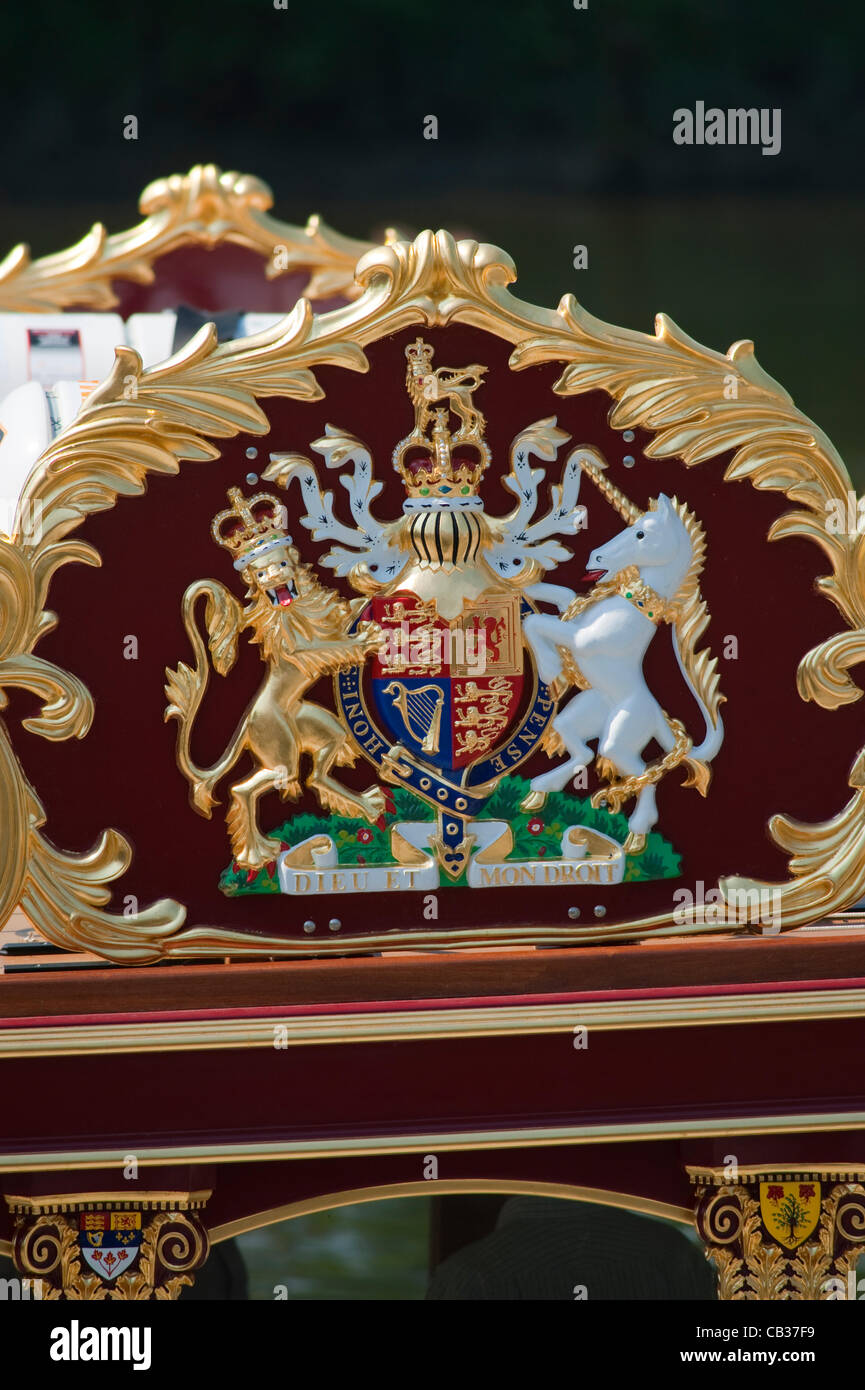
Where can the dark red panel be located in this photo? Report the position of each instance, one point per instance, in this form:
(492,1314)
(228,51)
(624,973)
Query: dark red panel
(780,754)
(325,1092)
(219,280)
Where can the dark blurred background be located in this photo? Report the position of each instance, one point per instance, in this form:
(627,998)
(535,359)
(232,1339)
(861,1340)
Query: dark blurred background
(555,129)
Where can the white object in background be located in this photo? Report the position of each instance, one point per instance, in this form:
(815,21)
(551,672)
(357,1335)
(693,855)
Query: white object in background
(251,324)
(30,418)
(152,335)
(47,348)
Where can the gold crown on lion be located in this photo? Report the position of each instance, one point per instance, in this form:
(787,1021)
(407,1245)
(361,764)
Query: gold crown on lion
(250,527)
(433,461)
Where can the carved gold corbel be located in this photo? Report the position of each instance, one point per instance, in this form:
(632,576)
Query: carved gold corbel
(782,1233)
(170,1243)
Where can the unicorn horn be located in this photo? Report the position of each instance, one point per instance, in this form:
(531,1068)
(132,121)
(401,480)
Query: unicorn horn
(594,465)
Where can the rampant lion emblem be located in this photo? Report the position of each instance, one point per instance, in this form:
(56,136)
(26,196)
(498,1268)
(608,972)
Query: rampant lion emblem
(300,628)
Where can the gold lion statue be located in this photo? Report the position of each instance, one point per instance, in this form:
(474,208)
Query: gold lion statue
(301,630)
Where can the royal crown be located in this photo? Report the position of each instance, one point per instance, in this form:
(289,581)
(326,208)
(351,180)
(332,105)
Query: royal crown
(433,461)
(250,527)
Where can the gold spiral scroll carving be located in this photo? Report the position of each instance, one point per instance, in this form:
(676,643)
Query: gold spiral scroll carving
(174,1244)
(811,1258)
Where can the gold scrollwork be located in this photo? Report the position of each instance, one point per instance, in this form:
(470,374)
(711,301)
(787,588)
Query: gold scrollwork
(50,1246)
(751,1263)
(666,383)
(701,404)
(201,208)
(45,1247)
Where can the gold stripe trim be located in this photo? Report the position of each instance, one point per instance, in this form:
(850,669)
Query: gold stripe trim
(418,1024)
(449,1187)
(470,1140)
(179,1201)
(792,1172)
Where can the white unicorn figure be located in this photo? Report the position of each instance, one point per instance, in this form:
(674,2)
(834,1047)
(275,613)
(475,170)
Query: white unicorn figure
(647,574)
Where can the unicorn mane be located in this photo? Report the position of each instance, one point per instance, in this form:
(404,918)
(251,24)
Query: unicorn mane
(693,616)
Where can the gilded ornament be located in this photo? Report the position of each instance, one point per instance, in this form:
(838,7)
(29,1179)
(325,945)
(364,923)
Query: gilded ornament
(179,411)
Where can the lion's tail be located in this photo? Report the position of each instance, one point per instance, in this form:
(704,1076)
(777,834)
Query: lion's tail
(185,686)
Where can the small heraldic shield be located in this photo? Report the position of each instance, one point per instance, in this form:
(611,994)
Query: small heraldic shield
(110,1240)
(790,1210)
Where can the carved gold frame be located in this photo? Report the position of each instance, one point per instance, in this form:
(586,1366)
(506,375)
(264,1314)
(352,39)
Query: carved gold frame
(202,208)
(666,383)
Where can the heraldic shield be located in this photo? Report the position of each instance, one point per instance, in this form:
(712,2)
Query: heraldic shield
(437,619)
(110,1241)
(790,1210)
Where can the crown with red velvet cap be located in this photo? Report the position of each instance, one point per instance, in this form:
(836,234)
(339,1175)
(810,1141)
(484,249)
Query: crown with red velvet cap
(250,527)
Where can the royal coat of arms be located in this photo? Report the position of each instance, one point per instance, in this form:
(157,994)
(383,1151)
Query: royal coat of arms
(456,661)
(443,663)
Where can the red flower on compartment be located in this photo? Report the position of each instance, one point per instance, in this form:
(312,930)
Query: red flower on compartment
(535,827)
(775,1193)
(364,836)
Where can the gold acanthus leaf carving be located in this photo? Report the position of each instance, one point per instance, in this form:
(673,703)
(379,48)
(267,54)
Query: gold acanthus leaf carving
(202,208)
(701,404)
(141,422)
(136,423)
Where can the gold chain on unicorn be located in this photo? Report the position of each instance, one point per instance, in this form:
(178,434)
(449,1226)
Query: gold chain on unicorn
(597,645)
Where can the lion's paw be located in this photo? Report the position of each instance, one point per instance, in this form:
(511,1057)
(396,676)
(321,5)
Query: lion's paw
(375,802)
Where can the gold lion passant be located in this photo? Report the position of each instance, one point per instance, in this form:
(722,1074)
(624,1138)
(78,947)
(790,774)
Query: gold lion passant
(301,629)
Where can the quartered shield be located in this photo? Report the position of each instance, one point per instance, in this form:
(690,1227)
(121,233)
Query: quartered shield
(109,1241)
(448,692)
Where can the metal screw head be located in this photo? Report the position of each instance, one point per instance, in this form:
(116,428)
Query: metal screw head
(335,924)
(573,913)
(309,926)
(600,911)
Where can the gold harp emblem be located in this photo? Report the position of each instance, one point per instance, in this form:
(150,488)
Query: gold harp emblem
(421,710)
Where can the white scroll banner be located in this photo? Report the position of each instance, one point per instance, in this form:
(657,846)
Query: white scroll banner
(587,857)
